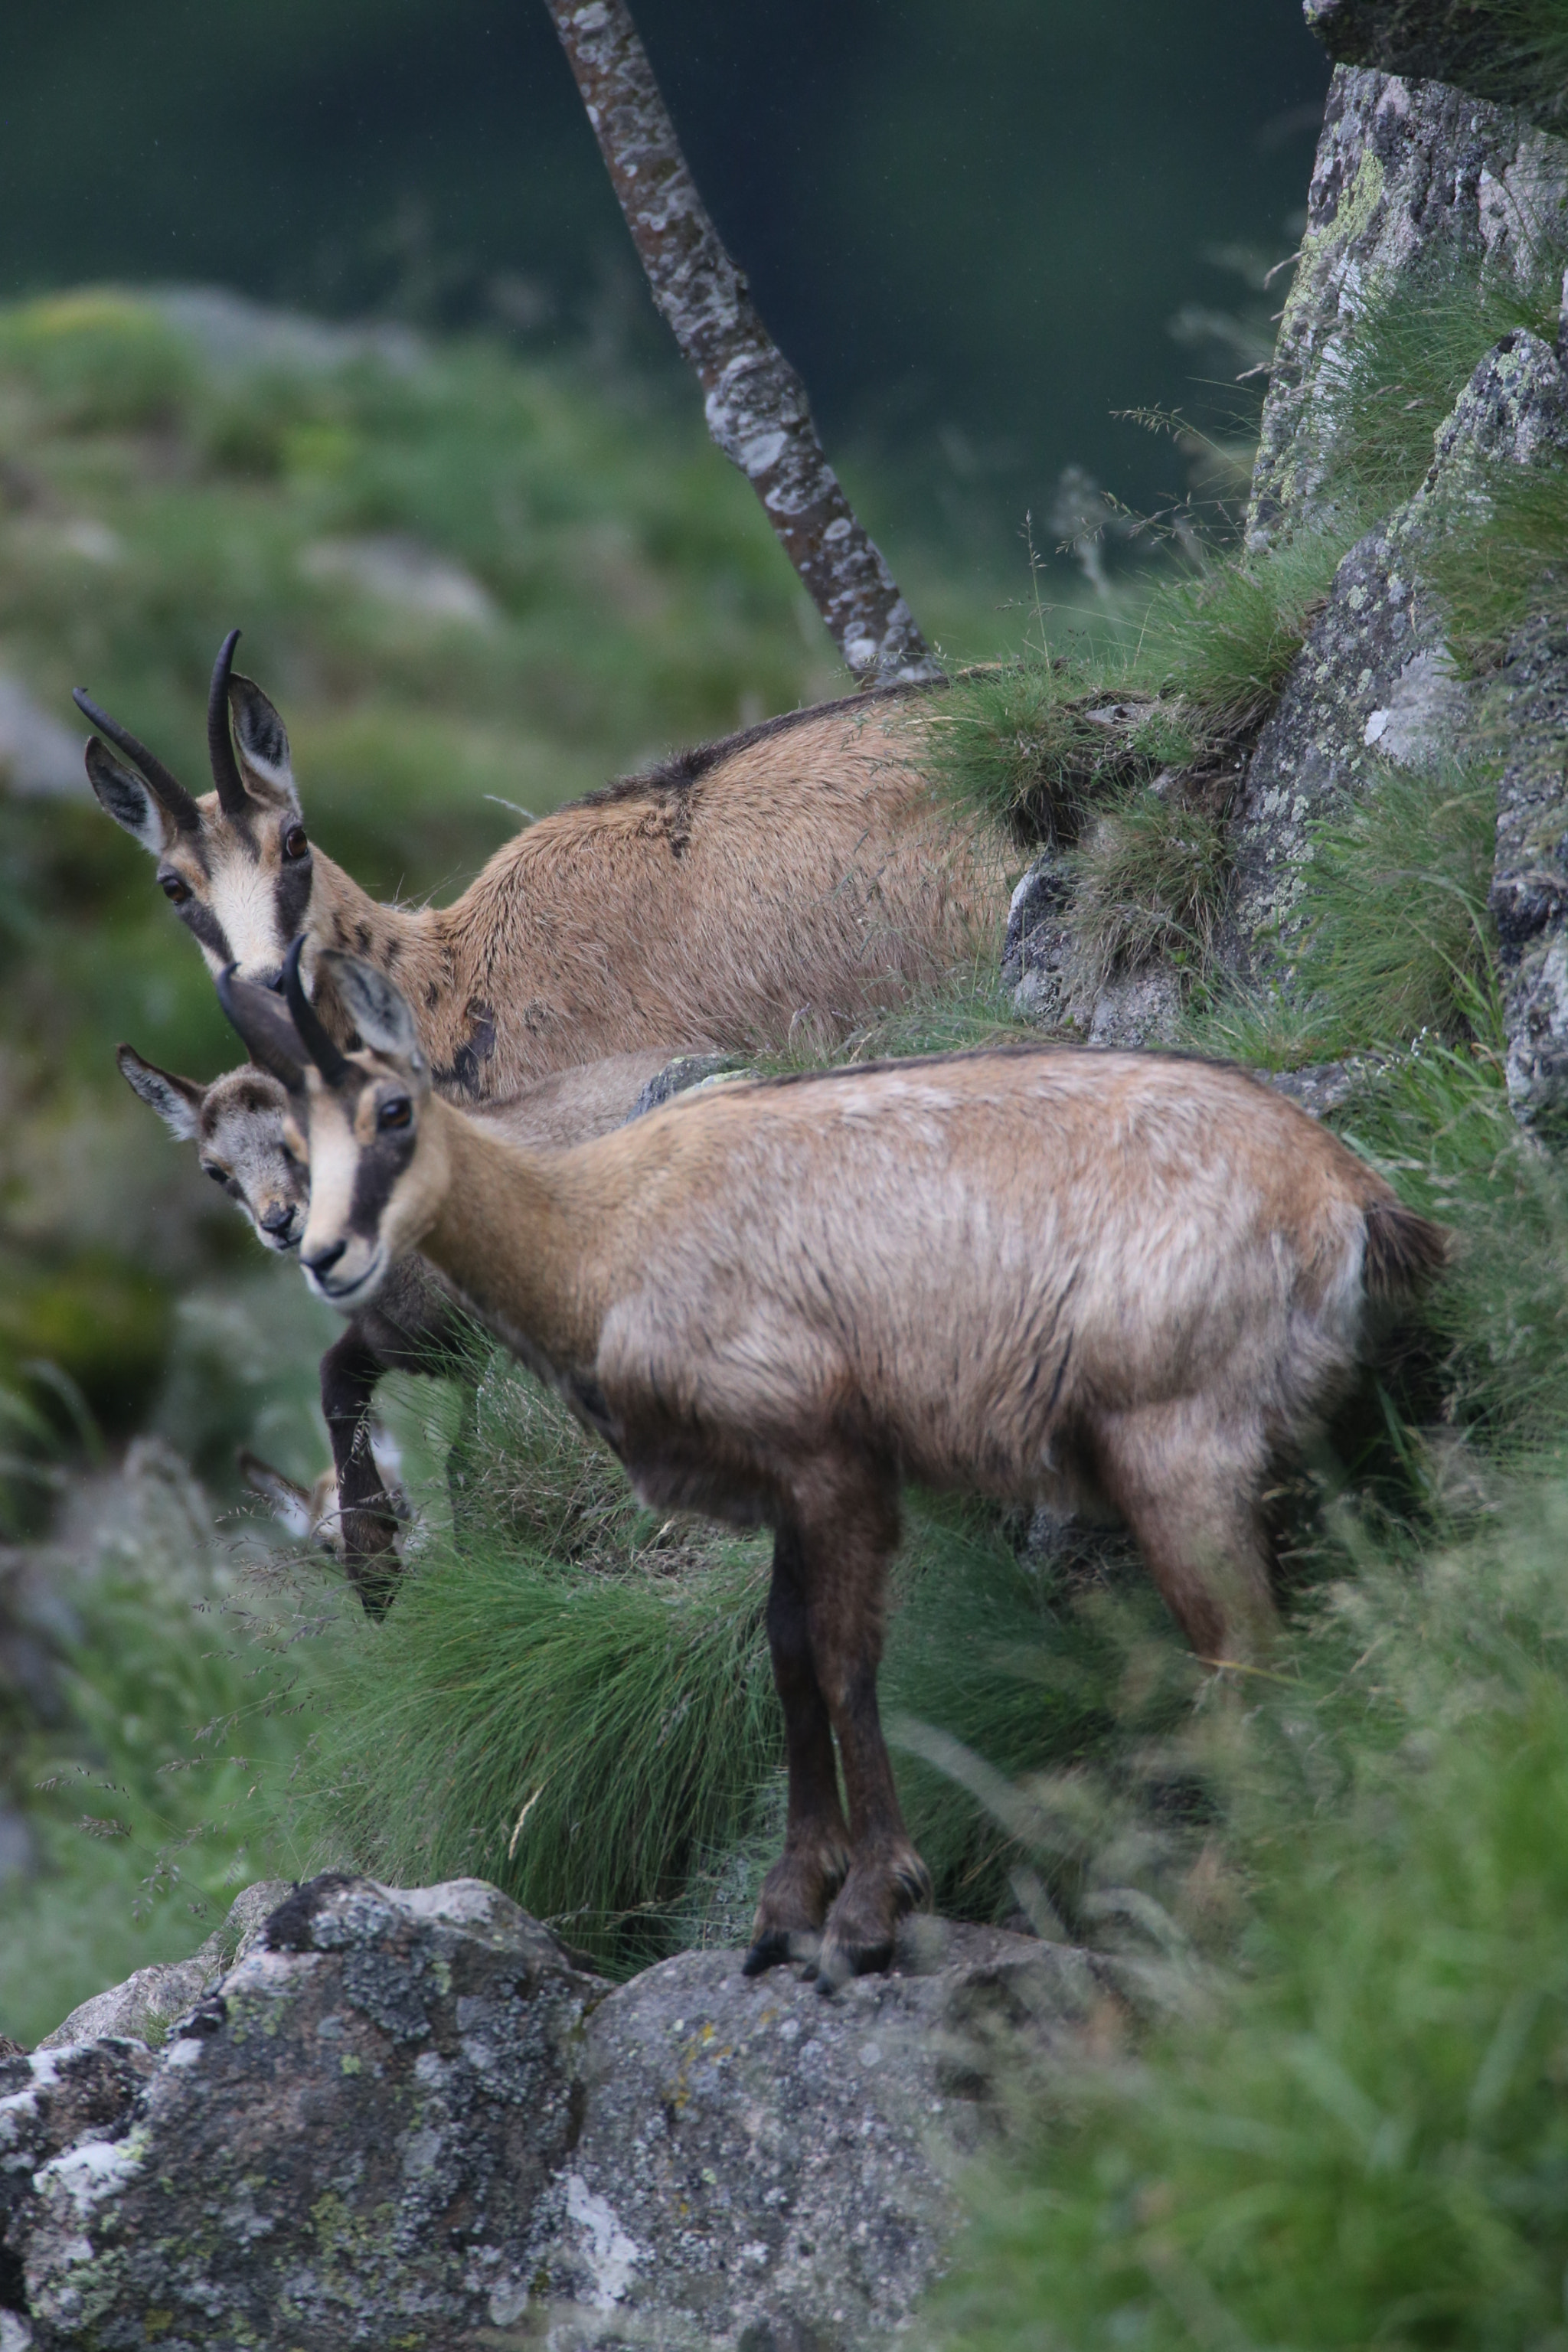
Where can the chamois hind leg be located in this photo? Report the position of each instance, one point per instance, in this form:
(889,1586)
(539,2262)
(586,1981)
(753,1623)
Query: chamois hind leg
(801,1883)
(350,1370)
(846,1553)
(1191,1490)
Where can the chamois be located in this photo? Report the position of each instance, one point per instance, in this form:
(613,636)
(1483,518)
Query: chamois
(312,1514)
(415,1324)
(800,870)
(1042,1274)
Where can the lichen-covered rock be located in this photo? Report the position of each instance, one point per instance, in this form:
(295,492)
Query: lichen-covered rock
(1407,174)
(47,2103)
(1527,709)
(341,2146)
(1457,41)
(147,2003)
(1373,681)
(1054,983)
(761,2167)
(406,2118)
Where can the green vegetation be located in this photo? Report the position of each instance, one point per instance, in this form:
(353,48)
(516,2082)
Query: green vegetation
(1361,2140)
(159,1787)
(1150,877)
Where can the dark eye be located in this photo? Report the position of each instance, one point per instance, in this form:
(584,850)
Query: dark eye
(173,889)
(218,1175)
(295,843)
(397,1111)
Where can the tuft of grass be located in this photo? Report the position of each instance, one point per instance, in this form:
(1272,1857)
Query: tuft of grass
(1221,638)
(1437,1121)
(1395,936)
(1033,744)
(1500,562)
(1149,881)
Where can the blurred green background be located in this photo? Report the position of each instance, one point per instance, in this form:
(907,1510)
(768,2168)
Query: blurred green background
(972,229)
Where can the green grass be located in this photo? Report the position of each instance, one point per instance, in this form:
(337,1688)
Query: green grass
(1500,564)
(1150,878)
(1393,934)
(1361,2139)
(188,1682)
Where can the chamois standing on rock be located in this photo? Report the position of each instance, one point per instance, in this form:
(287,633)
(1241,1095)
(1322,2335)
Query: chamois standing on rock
(801,869)
(415,1324)
(1039,1273)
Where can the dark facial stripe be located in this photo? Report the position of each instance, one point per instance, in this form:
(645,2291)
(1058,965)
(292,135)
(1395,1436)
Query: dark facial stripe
(379,1166)
(290,897)
(199,919)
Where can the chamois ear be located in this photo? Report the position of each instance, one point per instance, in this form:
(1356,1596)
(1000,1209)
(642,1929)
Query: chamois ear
(262,740)
(178,1101)
(290,1502)
(128,800)
(378,1010)
(268,1033)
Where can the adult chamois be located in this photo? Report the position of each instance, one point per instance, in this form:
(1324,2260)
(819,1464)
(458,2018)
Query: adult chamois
(801,870)
(415,1323)
(1039,1273)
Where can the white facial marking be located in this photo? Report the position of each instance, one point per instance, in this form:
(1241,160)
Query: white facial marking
(242,895)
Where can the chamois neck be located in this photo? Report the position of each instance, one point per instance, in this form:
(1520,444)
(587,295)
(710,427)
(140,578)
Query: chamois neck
(511,1236)
(404,942)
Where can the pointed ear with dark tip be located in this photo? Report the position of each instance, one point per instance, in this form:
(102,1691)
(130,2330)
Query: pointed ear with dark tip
(262,742)
(178,1101)
(291,1503)
(270,1036)
(378,1010)
(128,800)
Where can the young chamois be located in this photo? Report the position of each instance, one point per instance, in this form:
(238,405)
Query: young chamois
(414,1324)
(801,870)
(1039,1273)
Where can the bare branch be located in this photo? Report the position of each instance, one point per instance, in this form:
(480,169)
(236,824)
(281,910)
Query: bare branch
(756,405)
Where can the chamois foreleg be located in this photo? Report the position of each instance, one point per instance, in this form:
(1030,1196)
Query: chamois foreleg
(1190,1487)
(350,1370)
(847,1545)
(800,1886)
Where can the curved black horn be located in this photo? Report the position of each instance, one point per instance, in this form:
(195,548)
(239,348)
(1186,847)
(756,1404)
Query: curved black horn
(327,1056)
(232,798)
(165,787)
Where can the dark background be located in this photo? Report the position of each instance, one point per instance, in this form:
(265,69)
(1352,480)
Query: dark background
(970,227)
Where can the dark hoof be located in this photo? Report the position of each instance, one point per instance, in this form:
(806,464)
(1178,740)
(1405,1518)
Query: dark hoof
(779,1947)
(838,1962)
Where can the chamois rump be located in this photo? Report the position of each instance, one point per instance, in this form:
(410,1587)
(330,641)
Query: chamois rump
(415,1324)
(800,870)
(1039,1273)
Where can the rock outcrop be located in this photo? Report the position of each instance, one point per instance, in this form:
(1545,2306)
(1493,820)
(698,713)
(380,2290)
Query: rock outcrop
(1457,41)
(1375,681)
(1409,177)
(409,2118)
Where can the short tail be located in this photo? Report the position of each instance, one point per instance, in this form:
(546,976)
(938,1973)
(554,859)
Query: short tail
(1404,1253)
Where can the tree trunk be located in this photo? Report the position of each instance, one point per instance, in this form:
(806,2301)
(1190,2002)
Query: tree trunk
(756,405)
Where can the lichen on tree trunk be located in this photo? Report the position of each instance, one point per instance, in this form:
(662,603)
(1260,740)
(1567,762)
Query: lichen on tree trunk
(756,405)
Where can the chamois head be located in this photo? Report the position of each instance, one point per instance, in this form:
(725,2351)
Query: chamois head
(378,1165)
(237,863)
(237,1125)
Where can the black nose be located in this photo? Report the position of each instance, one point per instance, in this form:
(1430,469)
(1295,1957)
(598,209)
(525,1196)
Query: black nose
(323,1261)
(275,1218)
